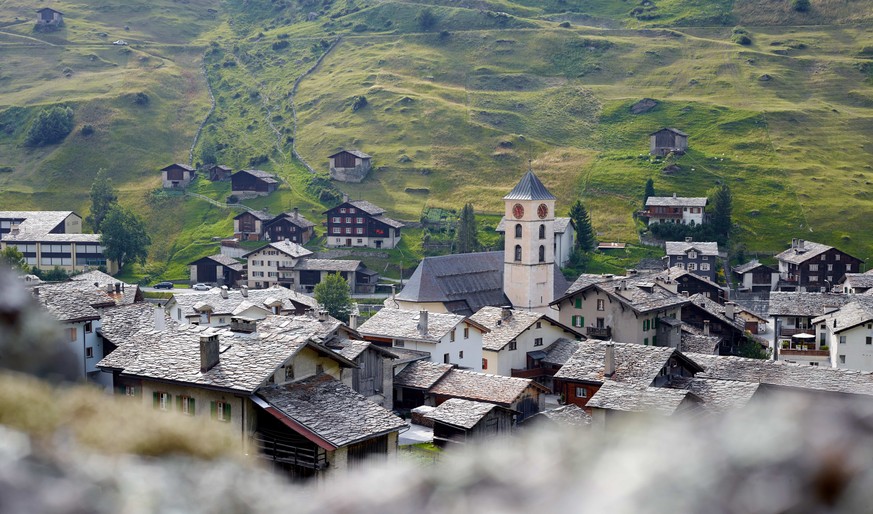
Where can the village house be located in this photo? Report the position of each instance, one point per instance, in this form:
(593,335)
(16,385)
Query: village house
(48,17)
(413,380)
(809,266)
(360,223)
(667,140)
(622,368)
(616,402)
(566,416)
(277,387)
(374,375)
(218,270)
(675,209)
(680,280)
(847,334)
(177,175)
(715,320)
(289,226)
(631,309)
(271,264)
(457,421)
(857,283)
(696,257)
(756,277)
(794,336)
(218,306)
(349,166)
(49,239)
(218,172)
(250,183)
(564,241)
(449,338)
(249,225)
(513,335)
(308,273)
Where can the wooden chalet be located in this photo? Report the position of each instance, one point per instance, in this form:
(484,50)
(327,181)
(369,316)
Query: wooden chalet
(289,226)
(360,223)
(349,165)
(809,266)
(253,182)
(219,270)
(249,225)
(218,172)
(48,17)
(667,140)
(456,421)
(177,175)
(756,277)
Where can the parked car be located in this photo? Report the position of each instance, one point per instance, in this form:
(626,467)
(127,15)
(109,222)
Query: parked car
(164,285)
(200,287)
(120,42)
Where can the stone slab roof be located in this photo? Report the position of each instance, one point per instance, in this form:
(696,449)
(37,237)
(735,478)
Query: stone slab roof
(369,208)
(403,324)
(566,415)
(559,352)
(717,310)
(294,219)
(855,313)
(718,395)
(356,153)
(668,129)
(676,201)
(529,188)
(751,265)
(502,331)
(483,387)
(177,165)
(626,398)
(682,247)
(783,374)
(331,410)
(261,215)
(698,343)
(99,280)
(328,265)
(33,237)
(640,291)
(785,303)
(263,175)
(288,248)
(390,222)
(859,279)
(119,324)
(800,255)
(677,272)
(405,355)
(421,374)
(560,225)
(36,223)
(351,349)
(635,364)
(461,413)
(69,306)
(229,305)
(224,260)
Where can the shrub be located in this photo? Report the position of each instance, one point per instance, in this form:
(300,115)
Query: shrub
(87,130)
(359,103)
(800,5)
(741,39)
(360,27)
(426,19)
(6,169)
(279,45)
(141,98)
(565,25)
(258,159)
(50,126)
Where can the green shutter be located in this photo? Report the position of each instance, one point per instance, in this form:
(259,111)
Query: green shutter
(212,410)
(646,341)
(156,399)
(227,411)
(179,402)
(578,303)
(191,406)
(581,321)
(654,340)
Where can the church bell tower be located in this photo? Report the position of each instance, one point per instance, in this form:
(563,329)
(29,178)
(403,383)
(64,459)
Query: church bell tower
(529,251)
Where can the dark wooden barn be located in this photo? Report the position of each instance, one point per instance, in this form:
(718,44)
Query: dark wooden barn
(253,181)
(667,140)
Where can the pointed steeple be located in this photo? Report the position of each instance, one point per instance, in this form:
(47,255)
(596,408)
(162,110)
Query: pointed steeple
(529,188)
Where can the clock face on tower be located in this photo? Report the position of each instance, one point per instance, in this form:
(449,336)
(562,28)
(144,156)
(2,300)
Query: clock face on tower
(542,211)
(517,211)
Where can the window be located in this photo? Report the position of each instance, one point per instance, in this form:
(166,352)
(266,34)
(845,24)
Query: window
(399,344)
(342,210)
(869,340)
(348,219)
(88,328)
(161,401)
(466,332)
(704,266)
(692,266)
(517,230)
(842,359)
(513,345)
(842,339)
(836,257)
(446,358)
(542,231)
(452,336)
(71,334)
(517,253)
(89,352)
(581,392)
(185,405)
(351,210)
(578,321)
(360,240)
(705,258)
(461,354)
(348,230)
(220,411)
(539,324)
(813,267)
(578,303)
(645,325)
(813,278)
(679,257)
(830,267)
(130,391)
(289,373)
(692,254)
(319,369)
(542,253)
(484,363)
(337,220)
(359,220)
(538,341)
(601,304)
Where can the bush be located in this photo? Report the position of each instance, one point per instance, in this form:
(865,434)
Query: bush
(359,103)
(800,5)
(360,27)
(87,130)
(50,126)
(741,39)
(279,45)
(141,98)
(6,169)
(565,25)
(426,19)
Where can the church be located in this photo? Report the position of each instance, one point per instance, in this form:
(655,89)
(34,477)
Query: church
(524,275)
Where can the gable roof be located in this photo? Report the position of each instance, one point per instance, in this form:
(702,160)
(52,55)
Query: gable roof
(716,310)
(854,313)
(403,324)
(640,291)
(864,280)
(351,349)
(682,247)
(356,153)
(328,265)
(178,165)
(678,272)
(801,303)
(222,259)
(369,208)
(96,279)
(559,352)
(461,413)
(699,343)
(569,415)
(752,265)
(635,364)
(421,374)
(529,188)
(48,9)
(718,395)
(472,385)
(503,330)
(622,397)
(261,215)
(668,129)
(676,201)
(36,223)
(189,301)
(293,218)
(798,254)
(119,324)
(290,249)
(331,410)
(269,178)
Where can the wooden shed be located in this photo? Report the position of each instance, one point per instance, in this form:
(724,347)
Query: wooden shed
(667,140)
(219,172)
(177,175)
(349,165)
(48,17)
(255,182)
(457,421)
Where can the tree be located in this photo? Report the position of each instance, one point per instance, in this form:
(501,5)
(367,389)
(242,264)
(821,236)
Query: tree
(752,349)
(800,5)
(426,19)
(124,236)
(720,223)
(13,258)
(103,198)
(584,231)
(50,126)
(467,233)
(650,191)
(333,294)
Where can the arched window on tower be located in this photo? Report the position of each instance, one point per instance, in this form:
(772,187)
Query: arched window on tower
(542,231)
(542,253)
(518,230)
(517,253)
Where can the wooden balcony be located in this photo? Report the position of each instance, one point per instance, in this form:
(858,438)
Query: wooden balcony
(786,332)
(533,372)
(787,352)
(599,332)
(655,214)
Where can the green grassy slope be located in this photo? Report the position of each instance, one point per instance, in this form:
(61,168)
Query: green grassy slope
(455,110)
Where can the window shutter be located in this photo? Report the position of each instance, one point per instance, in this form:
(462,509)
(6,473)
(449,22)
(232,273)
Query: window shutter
(578,303)
(156,399)
(212,409)
(179,402)
(119,390)
(191,406)
(581,321)
(227,411)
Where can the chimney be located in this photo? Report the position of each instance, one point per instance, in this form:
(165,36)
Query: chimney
(793,242)
(688,239)
(208,351)
(706,327)
(800,243)
(117,287)
(674,195)
(296,213)
(729,310)
(223,292)
(624,285)
(244,290)
(505,312)
(160,320)
(108,288)
(322,315)
(422,322)
(393,291)
(35,291)
(609,363)
(685,294)
(345,198)
(353,321)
